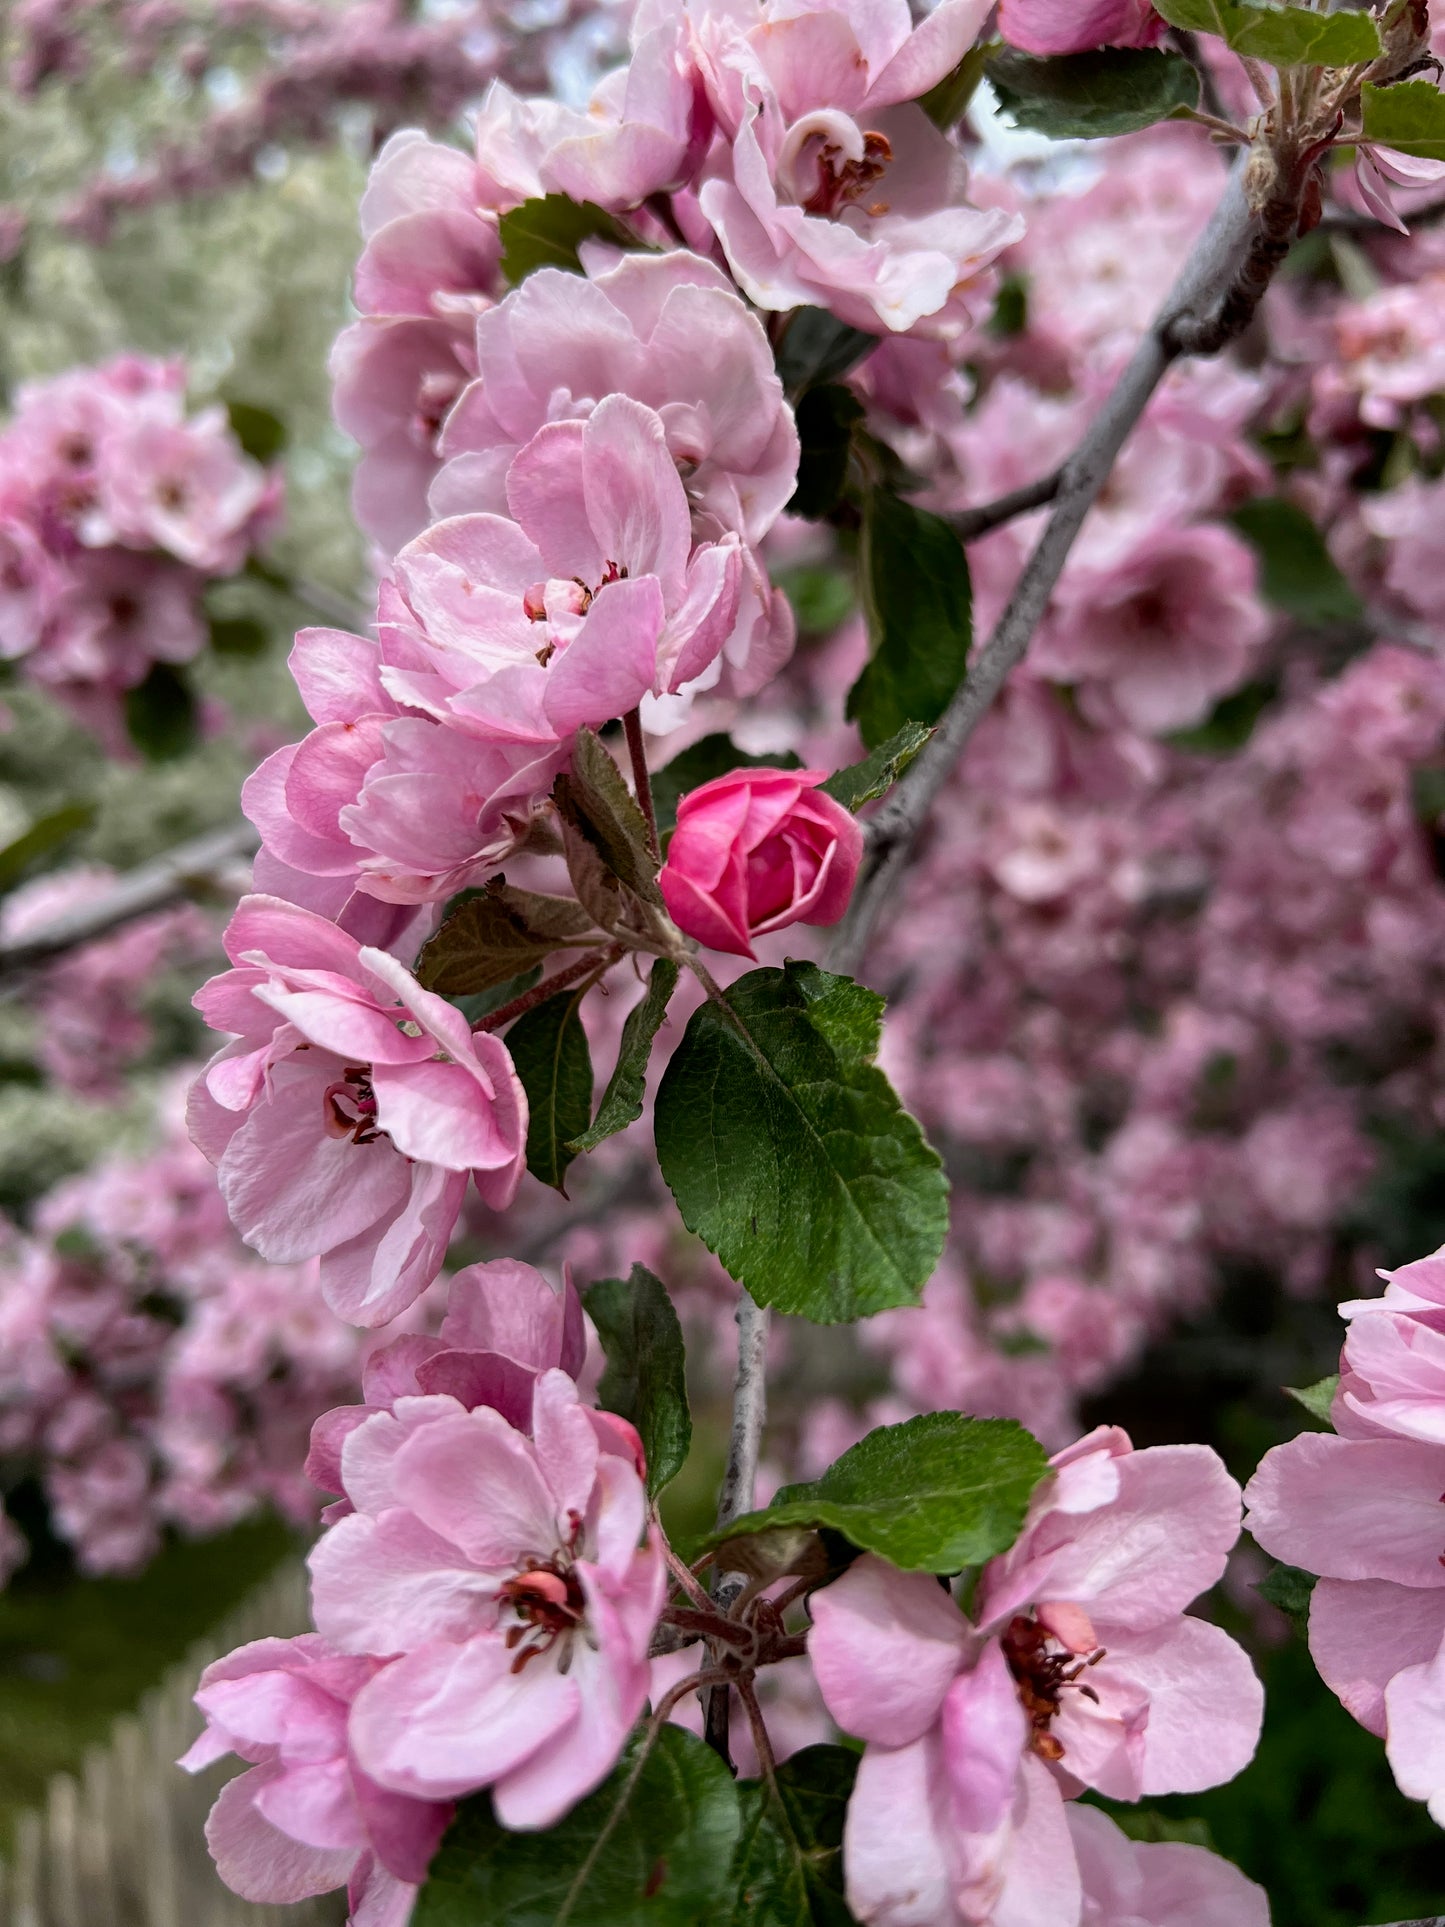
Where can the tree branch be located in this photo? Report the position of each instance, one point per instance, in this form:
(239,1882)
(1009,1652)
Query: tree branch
(188,870)
(970,524)
(750,1410)
(1218,281)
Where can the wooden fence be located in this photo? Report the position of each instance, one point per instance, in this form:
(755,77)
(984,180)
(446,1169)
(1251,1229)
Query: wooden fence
(122,1843)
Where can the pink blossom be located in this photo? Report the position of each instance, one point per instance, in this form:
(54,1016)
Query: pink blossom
(184,487)
(1075,26)
(1392,1368)
(348,1110)
(556,347)
(1166,1883)
(504,1325)
(814,208)
(306,1818)
(756,851)
(519,1579)
(1157,634)
(1082,1671)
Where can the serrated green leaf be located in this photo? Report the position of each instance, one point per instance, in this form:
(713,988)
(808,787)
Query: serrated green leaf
(475,1005)
(654,1850)
(816,347)
(788,1868)
(1317,1398)
(546,233)
(44,837)
(548,1047)
(260,433)
(1297,572)
(646,1377)
(934,1494)
(919,606)
(160,715)
(238,636)
(1289,1589)
(827,416)
(1410,117)
(865,782)
(1116,90)
(1281,36)
(789,1153)
(497,934)
(622,1100)
(702,762)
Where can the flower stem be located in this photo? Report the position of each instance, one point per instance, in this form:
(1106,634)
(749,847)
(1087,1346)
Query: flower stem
(642,782)
(539,993)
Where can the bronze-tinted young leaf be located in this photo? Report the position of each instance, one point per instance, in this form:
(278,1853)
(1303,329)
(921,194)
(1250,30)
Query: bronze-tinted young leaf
(919,606)
(548,1047)
(496,935)
(622,1100)
(646,1377)
(602,894)
(605,805)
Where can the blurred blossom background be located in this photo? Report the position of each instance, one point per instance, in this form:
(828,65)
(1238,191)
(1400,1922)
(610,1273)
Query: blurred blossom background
(1167,983)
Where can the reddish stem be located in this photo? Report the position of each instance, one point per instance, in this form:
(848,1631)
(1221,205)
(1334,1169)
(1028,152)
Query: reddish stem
(539,993)
(642,782)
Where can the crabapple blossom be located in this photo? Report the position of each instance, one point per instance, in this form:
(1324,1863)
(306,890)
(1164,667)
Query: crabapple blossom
(1362,1508)
(1080,1669)
(758,850)
(348,1110)
(305,1818)
(1165,1883)
(1075,26)
(518,1578)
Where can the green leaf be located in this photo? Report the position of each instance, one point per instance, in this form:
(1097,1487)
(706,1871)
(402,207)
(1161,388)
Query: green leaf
(605,807)
(1427,793)
(1318,1398)
(622,1100)
(546,233)
(475,1005)
(934,1494)
(238,636)
(827,416)
(947,101)
(1231,722)
(822,599)
(44,837)
(864,782)
(816,347)
(497,934)
(789,1153)
(1297,572)
(1116,90)
(702,762)
(1153,1828)
(260,433)
(548,1046)
(1289,1588)
(1282,36)
(160,715)
(1410,117)
(919,606)
(652,1850)
(646,1377)
(788,1867)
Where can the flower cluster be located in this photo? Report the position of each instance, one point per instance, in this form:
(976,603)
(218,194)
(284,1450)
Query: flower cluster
(155,1376)
(115,508)
(484,1596)
(1361,1506)
(1079,1668)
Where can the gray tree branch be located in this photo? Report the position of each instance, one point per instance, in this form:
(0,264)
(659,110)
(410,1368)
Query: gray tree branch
(1222,266)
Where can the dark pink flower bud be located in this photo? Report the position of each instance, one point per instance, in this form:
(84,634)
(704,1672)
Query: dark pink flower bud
(756,851)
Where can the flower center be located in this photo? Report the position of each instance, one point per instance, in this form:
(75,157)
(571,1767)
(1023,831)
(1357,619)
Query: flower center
(547,1597)
(842,182)
(1044,1668)
(351,1107)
